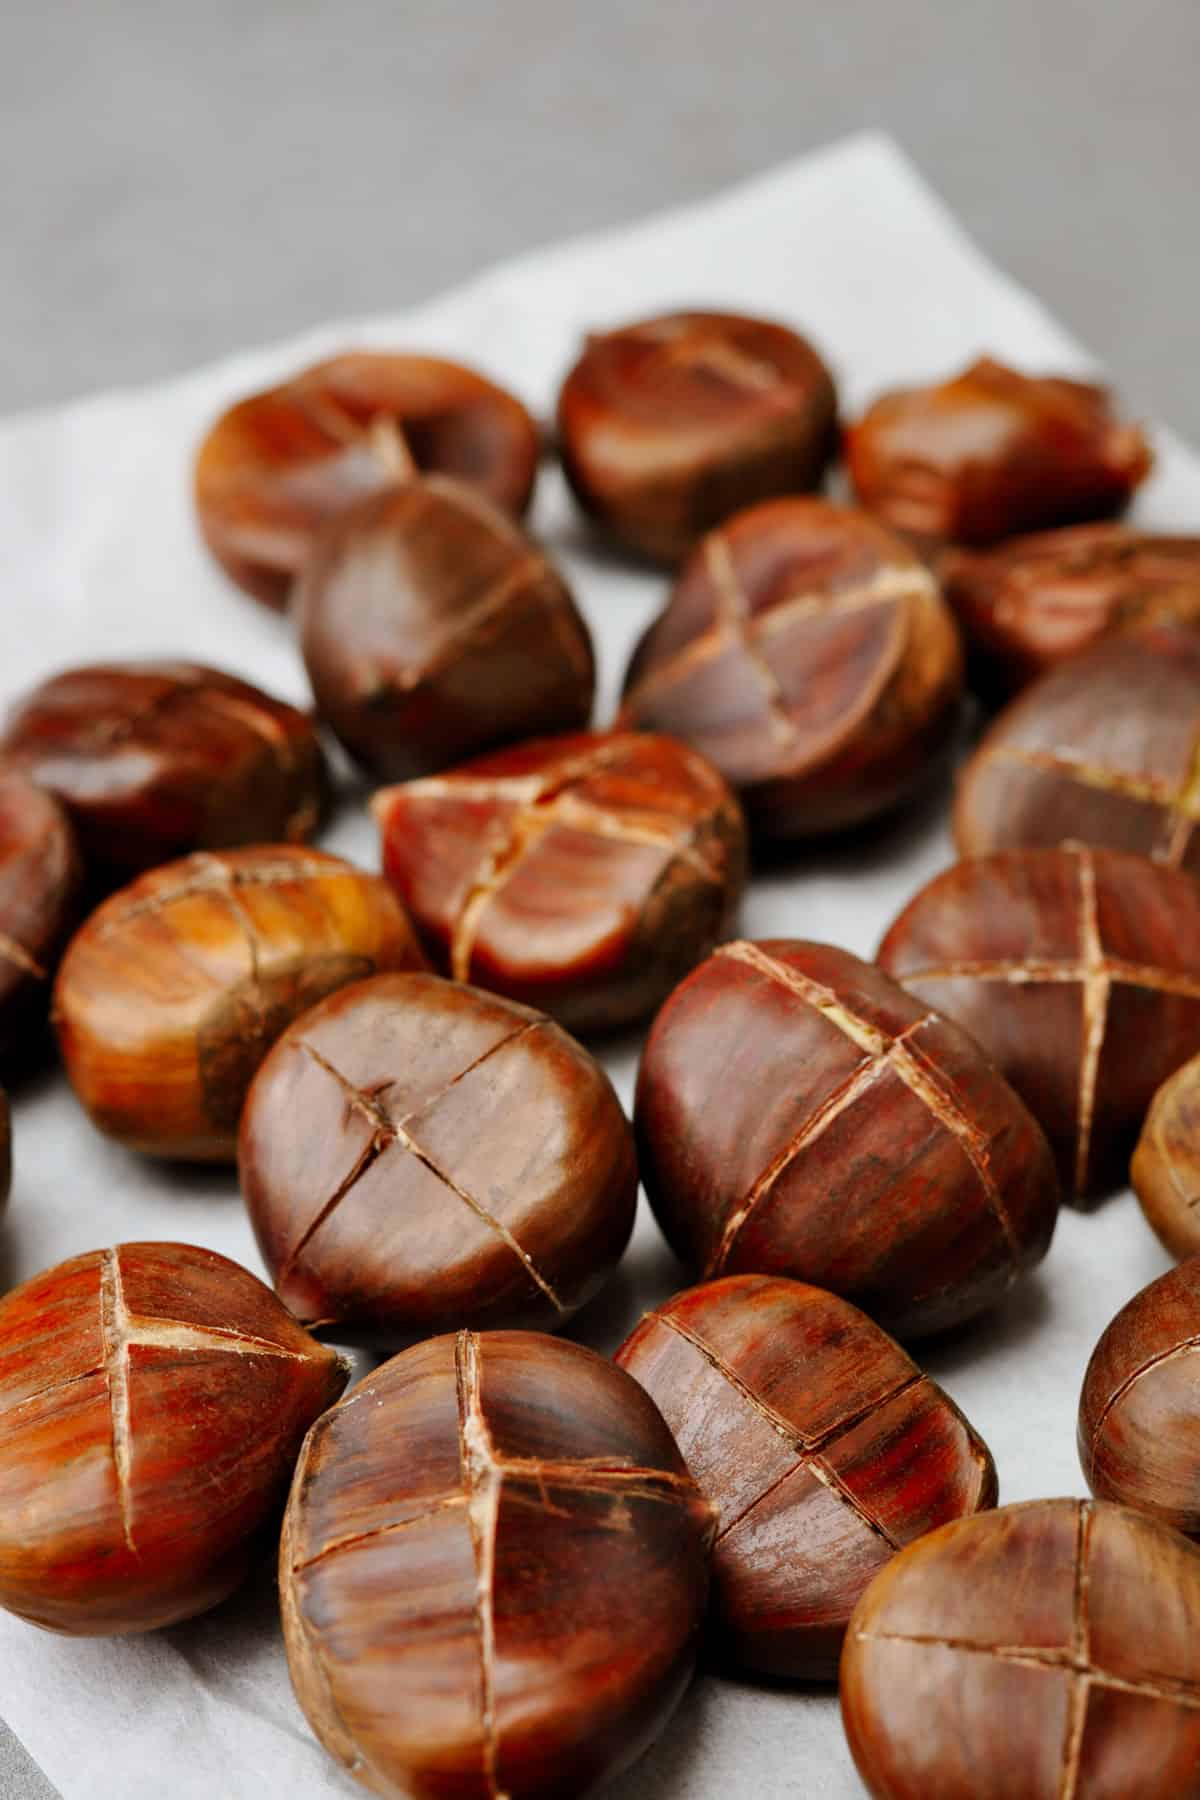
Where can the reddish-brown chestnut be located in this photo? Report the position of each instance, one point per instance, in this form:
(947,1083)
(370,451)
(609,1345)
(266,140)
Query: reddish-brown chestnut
(1101,751)
(493,1572)
(1047,1651)
(432,628)
(992,453)
(418,1155)
(40,879)
(583,874)
(1078,971)
(798,1114)
(822,1446)
(1029,604)
(1166,1164)
(174,990)
(152,760)
(807,652)
(668,426)
(153,1399)
(278,465)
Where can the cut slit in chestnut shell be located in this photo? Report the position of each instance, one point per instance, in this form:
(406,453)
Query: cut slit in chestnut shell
(41,878)
(277,466)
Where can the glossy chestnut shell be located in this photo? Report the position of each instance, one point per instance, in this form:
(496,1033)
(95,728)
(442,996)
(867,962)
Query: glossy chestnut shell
(40,883)
(1165,1171)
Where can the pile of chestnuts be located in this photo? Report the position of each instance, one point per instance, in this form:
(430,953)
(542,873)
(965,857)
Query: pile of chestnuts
(501,1555)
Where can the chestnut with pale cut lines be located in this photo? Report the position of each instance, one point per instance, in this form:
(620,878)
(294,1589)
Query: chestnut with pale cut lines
(153,1399)
(493,1572)
(822,1445)
(40,883)
(1165,1171)
(1078,971)
(417,1155)
(799,1115)
(1046,1650)
(583,874)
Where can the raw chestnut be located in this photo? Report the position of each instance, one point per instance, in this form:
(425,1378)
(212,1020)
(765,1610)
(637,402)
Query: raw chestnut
(1166,1164)
(992,453)
(418,1155)
(1046,1651)
(823,1447)
(277,466)
(1101,751)
(174,990)
(432,628)
(809,655)
(1029,604)
(40,880)
(669,425)
(583,874)
(153,1399)
(1078,971)
(798,1114)
(154,759)
(1139,1413)
(493,1572)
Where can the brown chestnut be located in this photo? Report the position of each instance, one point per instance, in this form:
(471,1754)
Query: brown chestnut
(1166,1163)
(1101,751)
(40,881)
(798,1114)
(1078,971)
(277,466)
(992,453)
(669,425)
(822,1446)
(417,1155)
(1047,1651)
(583,874)
(808,654)
(1029,604)
(154,759)
(174,990)
(493,1572)
(153,1399)
(432,628)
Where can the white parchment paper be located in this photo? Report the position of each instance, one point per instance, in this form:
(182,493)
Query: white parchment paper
(99,558)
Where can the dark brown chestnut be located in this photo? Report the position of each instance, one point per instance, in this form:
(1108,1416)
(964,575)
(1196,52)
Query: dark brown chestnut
(493,1572)
(277,466)
(433,628)
(153,1399)
(417,1155)
(669,425)
(1046,1651)
(583,874)
(798,1114)
(1166,1164)
(1078,971)
(174,990)
(155,759)
(822,1446)
(808,654)
(992,453)
(40,882)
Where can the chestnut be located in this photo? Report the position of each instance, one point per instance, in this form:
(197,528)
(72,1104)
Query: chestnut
(668,425)
(583,874)
(1166,1163)
(798,1114)
(1101,751)
(1029,604)
(1046,1651)
(1078,971)
(40,881)
(417,1155)
(808,654)
(153,1399)
(154,759)
(432,628)
(992,453)
(822,1446)
(171,994)
(493,1571)
(278,465)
